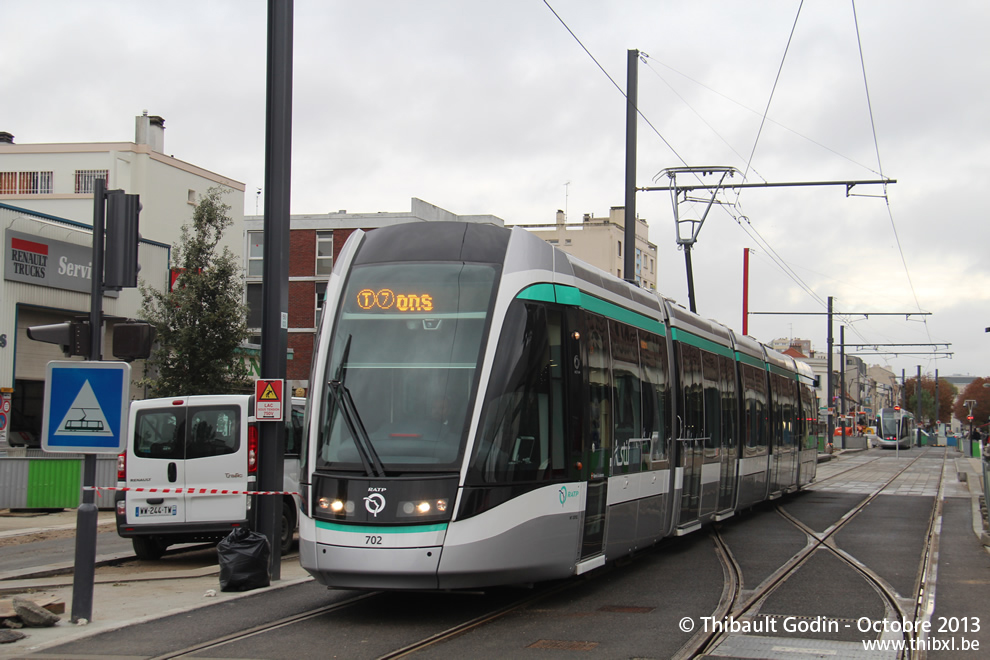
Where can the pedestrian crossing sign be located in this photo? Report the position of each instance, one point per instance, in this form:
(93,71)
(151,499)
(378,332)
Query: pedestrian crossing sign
(85,407)
(268,400)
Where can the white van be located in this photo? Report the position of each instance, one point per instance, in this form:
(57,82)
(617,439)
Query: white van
(208,443)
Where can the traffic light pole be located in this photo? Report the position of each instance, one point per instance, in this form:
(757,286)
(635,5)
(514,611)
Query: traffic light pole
(84,570)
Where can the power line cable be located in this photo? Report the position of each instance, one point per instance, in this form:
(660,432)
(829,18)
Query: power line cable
(615,84)
(759,132)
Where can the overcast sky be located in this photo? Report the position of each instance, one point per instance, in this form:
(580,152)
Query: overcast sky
(494,107)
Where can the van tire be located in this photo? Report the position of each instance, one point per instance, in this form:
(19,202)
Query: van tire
(288,527)
(148,548)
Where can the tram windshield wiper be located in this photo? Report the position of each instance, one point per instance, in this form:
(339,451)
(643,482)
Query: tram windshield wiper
(345,404)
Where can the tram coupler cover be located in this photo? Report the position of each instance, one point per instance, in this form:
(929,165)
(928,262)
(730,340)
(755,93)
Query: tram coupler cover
(244,561)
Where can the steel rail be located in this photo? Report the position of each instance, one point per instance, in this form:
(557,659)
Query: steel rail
(701,644)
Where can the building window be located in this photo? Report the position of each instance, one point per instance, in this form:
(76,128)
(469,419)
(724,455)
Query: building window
(254,305)
(620,248)
(324,252)
(26,183)
(85,179)
(191,197)
(256,252)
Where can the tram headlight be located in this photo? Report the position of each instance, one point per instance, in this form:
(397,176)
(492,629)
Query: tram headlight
(334,505)
(422,508)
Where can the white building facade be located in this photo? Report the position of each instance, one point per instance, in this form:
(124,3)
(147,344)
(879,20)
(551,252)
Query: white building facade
(46,212)
(601,243)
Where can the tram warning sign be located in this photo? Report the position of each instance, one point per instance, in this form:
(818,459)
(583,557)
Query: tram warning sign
(268,399)
(85,407)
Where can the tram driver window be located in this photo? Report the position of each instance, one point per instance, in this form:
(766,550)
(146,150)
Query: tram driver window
(516,437)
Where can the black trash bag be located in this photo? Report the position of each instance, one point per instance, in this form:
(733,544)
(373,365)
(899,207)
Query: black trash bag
(245,558)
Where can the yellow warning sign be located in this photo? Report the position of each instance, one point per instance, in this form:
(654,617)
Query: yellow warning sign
(268,399)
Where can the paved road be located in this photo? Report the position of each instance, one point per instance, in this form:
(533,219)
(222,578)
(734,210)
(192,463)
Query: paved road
(636,608)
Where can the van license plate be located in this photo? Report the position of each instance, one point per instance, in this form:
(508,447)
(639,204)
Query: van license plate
(160,510)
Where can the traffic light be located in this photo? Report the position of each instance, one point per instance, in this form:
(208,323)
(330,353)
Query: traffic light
(132,340)
(121,256)
(72,336)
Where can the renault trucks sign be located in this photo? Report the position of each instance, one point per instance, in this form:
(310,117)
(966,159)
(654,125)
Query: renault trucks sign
(46,262)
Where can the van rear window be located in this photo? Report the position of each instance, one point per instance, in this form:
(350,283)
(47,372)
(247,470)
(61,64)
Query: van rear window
(186,433)
(160,433)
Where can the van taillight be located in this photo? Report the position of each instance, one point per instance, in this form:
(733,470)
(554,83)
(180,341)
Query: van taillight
(122,467)
(252,448)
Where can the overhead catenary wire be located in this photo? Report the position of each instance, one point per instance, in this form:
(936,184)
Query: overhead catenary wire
(763,120)
(640,113)
(743,221)
(612,80)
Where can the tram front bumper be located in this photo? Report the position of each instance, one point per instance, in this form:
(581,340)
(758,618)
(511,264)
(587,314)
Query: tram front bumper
(363,568)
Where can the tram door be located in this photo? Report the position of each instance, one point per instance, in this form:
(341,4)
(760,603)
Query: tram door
(730,434)
(597,426)
(691,440)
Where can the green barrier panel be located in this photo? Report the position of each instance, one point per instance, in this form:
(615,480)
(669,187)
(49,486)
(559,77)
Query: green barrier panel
(54,483)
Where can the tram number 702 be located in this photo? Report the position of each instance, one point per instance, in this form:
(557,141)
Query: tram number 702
(372,540)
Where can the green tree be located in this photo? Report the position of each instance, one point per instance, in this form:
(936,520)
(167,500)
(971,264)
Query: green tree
(979,391)
(201,322)
(946,395)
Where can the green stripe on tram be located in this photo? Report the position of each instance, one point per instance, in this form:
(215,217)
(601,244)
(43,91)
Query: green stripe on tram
(685,337)
(780,371)
(574,297)
(370,529)
(750,360)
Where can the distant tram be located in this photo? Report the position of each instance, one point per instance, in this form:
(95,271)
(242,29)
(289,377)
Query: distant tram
(486,409)
(895,427)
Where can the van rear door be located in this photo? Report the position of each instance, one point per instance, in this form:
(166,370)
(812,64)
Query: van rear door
(155,461)
(216,458)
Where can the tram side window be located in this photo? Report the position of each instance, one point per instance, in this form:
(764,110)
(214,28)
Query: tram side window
(629,443)
(808,417)
(713,400)
(521,415)
(755,412)
(693,422)
(597,359)
(656,396)
(727,372)
(784,410)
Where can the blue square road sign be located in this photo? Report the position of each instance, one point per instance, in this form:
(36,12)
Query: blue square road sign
(86,407)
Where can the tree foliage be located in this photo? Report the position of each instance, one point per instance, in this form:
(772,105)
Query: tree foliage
(979,391)
(946,395)
(201,322)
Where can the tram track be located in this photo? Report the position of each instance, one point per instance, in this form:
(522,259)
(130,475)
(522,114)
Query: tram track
(738,604)
(735,601)
(538,593)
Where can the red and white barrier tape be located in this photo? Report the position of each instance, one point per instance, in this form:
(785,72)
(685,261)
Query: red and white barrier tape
(192,491)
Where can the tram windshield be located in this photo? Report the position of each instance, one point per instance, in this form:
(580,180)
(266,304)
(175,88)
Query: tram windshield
(895,423)
(405,353)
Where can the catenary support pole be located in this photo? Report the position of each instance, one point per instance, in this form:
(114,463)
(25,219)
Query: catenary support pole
(632,117)
(917,409)
(842,382)
(745,300)
(275,286)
